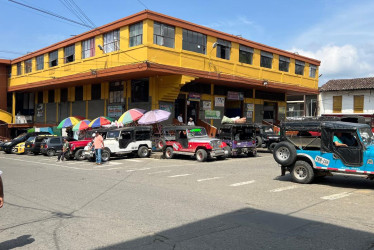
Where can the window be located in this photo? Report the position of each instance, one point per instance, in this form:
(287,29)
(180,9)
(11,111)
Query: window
(193,41)
(139,90)
(337,104)
(96,91)
(299,67)
(69,54)
(284,63)
(19,69)
(64,95)
(245,54)
(358,103)
(223,49)
(53,58)
(79,93)
(312,70)
(163,34)
(55,141)
(111,41)
(142,135)
(28,66)
(40,97)
(116,92)
(136,34)
(88,48)
(40,62)
(51,96)
(266,59)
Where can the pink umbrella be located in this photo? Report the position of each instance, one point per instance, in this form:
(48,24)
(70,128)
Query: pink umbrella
(154,116)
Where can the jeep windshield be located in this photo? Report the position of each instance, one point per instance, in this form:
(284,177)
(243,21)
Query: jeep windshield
(112,134)
(196,132)
(366,136)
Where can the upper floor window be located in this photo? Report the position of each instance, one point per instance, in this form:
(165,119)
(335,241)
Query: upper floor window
(193,41)
(53,58)
(111,41)
(28,66)
(284,63)
(19,68)
(116,92)
(69,53)
(40,62)
(163,34)
(337,104)
(299,67)
(358,104)
(140,90)
(266,59)
(223,49)
(88,48)
(136,34)
(96,91)
(245,54)
(312,70)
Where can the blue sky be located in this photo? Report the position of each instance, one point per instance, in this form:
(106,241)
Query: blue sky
(340,33)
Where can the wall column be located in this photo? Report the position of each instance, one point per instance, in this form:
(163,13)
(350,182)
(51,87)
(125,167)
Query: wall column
(14,106)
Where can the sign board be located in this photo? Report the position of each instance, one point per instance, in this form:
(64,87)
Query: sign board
(249,114)
(219,101)
(250,107)
(194,97)
(236,96)
(40,110)
(207,105)
(166,107)
(115,111)
(212,114)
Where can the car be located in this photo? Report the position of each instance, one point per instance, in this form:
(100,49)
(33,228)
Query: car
(52,145)
(19,148)
(241,138)
(194,141)
(308,157)
(265,137)
(125,141)
(8,146)
(32,145)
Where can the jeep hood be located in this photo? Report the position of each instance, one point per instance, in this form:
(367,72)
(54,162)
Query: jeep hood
(203,139)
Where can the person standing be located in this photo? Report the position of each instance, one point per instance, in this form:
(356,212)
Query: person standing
(1,191)
(180,118)
(65,148)
(98,145)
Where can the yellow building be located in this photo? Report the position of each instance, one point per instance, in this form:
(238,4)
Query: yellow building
(150,61)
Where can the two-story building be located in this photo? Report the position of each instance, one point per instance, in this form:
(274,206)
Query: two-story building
(150,61)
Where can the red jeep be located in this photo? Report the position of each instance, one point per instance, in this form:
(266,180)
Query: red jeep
(194,141)
(76,149)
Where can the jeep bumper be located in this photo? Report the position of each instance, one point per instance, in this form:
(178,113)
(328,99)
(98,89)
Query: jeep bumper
(217,152)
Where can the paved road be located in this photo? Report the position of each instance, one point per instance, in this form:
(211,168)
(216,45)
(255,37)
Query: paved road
(239,203)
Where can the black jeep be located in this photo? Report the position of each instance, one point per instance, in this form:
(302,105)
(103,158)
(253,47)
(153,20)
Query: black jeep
(265,137)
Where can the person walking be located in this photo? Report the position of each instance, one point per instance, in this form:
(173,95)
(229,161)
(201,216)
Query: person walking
(1,191)
(98,144)
(65,148)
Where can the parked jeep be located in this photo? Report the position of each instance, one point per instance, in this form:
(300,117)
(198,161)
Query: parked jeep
(125,141)
(194,141)
(77,147)
(341,147)
(265,137)
(241,138)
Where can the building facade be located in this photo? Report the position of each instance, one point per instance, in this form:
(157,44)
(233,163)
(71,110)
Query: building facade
(153,61)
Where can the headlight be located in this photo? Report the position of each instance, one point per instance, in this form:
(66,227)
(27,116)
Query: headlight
(7,143)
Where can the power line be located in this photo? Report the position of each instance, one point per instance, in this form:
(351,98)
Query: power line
(71,9)
(143,4)
(84,15)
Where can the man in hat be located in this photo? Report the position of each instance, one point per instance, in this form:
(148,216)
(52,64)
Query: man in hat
(191,122)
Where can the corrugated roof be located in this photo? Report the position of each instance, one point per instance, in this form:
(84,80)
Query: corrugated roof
(348,84)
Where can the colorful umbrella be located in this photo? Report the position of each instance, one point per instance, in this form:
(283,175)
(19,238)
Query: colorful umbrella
(68,122)
(154,116)
(131,115)
(100,121)
(81,125)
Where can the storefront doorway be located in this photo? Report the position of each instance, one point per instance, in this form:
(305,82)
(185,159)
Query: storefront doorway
(270,112)
(233,108)
(180,107)
(193,110)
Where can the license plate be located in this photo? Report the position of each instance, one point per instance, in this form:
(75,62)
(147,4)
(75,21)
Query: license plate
(28,146)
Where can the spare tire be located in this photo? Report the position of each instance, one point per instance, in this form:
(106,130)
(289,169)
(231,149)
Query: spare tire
(284,153)
(258,142)
(161,144)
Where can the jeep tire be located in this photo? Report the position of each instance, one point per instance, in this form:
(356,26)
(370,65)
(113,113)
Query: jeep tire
(79,155)
(272,146)
(160,144)
(258,142)
(143,152)
(302,172)
(284,153)
(105,155)
(201,155)
(252,153)
(169,153)
(228,152)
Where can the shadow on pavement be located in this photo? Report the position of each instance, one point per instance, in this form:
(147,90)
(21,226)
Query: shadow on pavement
(18,242)
(253,229)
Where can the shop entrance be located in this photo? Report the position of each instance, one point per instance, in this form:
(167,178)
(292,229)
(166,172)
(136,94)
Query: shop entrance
(192,110)
(270,112)
(180,107)
(233,108)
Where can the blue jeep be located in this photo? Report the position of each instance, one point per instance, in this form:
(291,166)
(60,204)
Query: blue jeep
(313,149)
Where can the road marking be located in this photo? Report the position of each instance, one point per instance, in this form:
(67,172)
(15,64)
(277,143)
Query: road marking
(139,169)
(133,160)
(209,179)
(178,175)
(114,163)
(242,183)
(336,196)
(284,188)
(158,172)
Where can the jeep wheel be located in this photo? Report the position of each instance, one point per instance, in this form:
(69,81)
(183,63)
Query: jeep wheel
(169,153)
(221,157)
(143,152)
(302,172)
(258,142)
(51,152)
(79,155)
(228,152)
(105,155)
(284,153)
(201,155)
(160,144)
(14,150)
(272,146)
(252,153)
